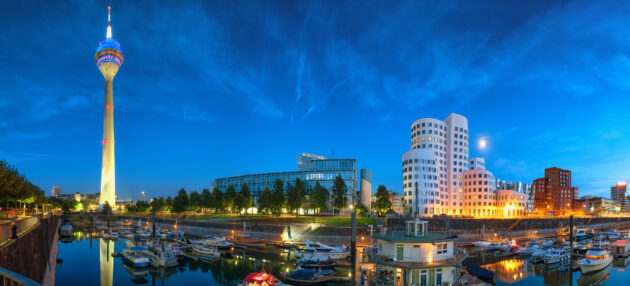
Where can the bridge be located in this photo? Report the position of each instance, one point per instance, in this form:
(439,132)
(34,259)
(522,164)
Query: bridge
(31,258)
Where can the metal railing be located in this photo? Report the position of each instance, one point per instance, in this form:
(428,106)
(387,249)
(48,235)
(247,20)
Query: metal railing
(10,278)
(22,225)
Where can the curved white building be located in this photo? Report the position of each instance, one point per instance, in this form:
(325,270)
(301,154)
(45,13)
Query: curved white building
(480,193)
(447,141)
(421,182)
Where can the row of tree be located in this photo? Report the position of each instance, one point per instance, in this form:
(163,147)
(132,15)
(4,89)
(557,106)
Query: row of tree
(270,201)
(16,190)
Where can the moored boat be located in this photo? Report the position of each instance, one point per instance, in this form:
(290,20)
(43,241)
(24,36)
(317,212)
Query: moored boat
(247,240)
(66,230)
(557,255)
(206,250)
(162,255)
(258,278)
(480,272)
(620,248)
(316,263)
(595,260)
(305,277)
(136,256)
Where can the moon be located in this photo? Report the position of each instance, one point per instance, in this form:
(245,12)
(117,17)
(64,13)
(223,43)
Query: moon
(483,143)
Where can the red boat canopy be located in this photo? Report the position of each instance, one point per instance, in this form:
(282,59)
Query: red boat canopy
(259,277)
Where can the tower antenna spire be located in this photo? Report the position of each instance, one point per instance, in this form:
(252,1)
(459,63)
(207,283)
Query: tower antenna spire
(109,22)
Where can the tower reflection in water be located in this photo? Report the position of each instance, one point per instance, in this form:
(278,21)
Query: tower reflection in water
(107,262)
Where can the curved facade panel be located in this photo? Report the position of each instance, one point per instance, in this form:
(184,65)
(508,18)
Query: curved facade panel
(479,193)
(421,182)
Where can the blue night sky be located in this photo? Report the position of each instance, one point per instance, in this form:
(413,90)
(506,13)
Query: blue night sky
(222,88)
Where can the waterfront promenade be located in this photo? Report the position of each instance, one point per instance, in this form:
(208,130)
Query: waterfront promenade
(33,255)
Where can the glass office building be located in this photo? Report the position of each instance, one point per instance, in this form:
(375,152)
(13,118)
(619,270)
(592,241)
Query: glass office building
(323,171)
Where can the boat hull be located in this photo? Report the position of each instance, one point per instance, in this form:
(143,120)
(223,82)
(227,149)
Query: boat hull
(590,268)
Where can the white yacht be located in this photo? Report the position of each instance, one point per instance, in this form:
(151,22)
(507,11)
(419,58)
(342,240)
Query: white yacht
(206,250)
(316,249)
(581,233)
(595,260)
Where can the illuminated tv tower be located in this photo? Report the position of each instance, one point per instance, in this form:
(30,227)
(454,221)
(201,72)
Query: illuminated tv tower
(108,59)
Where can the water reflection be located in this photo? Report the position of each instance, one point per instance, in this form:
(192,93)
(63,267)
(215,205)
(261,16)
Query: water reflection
(511,270)
(596,278)
(82,255)
(107,262)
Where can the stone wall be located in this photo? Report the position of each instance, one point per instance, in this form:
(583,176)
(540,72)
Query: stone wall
(30,254)
(475,229)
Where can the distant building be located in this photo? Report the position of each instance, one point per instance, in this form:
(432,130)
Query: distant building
(511,203)
(323,171)
(77,197)
(477,163)
(56,191)
(553,194)
(520,187)
(397,200)
(366,188)
(598,206)
(618,195)
(305,161)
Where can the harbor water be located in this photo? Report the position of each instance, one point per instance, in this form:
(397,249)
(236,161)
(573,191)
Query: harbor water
(89,262)
(518,271)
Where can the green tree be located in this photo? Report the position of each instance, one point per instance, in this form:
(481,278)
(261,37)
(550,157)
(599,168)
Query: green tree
(318,197)
(228,199)
(158,204)
(217,199)
(246,195)
(279,200)
(143,206)
(180,202)
(195,202)
(11,182)
(339,191)
(169,203)
(361,210)
(107,209)
(295,196)
(239,202)
(206,199)
(382,203)
(265,201)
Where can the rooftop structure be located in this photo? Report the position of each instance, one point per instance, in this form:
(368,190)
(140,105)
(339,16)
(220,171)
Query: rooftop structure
(108,59)
(416,256)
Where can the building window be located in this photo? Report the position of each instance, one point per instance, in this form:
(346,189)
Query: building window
(441,248)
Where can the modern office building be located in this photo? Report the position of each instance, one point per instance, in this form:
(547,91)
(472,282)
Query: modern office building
(432,169)
(618,195)
(520,187)
(56,191)
(305,161)
(323,171)
(511,203)
(366,188)
(108,59)
(599,206)
(553,194)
